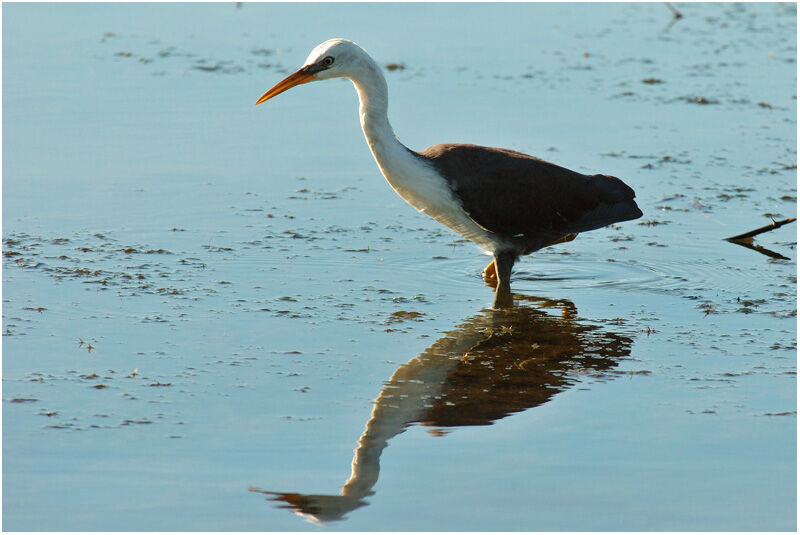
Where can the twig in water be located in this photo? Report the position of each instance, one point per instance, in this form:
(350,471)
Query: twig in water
(746,239)
(756,232)
(675,13)
(748,242)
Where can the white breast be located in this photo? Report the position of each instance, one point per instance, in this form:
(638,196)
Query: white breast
(413,179)
(426,190)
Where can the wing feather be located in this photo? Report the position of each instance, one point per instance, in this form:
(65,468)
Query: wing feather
(512,193)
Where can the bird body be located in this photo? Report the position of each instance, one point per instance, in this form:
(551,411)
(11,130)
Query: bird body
(527,203)
(509,203)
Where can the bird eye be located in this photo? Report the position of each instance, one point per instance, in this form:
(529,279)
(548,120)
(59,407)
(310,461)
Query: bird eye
(328,61)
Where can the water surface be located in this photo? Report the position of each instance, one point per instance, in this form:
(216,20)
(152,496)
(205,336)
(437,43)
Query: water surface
(210,309)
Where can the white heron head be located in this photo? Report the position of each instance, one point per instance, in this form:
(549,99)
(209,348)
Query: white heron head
(335,58)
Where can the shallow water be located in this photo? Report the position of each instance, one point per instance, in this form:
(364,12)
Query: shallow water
(207,307)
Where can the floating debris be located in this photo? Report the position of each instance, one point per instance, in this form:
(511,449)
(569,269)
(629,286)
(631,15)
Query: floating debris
(403,315)
(139,422)
(700,100)
(708,308)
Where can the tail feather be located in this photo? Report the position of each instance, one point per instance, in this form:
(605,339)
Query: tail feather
(606,214)
(613,189)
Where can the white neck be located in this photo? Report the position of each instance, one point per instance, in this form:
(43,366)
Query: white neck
(392,157)
(412,178)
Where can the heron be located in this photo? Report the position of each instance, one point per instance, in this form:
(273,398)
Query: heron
(509,203)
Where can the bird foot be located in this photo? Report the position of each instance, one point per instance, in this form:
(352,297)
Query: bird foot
(490,275)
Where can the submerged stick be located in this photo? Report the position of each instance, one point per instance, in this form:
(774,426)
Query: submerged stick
(756,232)
(748,242)
(746,239)
(675,13)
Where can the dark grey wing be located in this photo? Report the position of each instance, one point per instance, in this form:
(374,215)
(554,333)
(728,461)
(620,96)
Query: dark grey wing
(512,194)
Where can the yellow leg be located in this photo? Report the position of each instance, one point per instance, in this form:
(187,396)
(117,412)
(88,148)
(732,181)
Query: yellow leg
(503,297)
(503,262)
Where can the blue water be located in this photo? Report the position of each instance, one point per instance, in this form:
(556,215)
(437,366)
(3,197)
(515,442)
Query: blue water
(260,304)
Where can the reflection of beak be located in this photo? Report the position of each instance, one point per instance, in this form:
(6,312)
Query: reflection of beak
(300,77)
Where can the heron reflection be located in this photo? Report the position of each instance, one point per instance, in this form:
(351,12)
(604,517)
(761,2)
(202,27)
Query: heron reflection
(499,362)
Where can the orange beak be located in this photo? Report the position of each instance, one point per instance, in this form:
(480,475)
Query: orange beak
(300,77)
